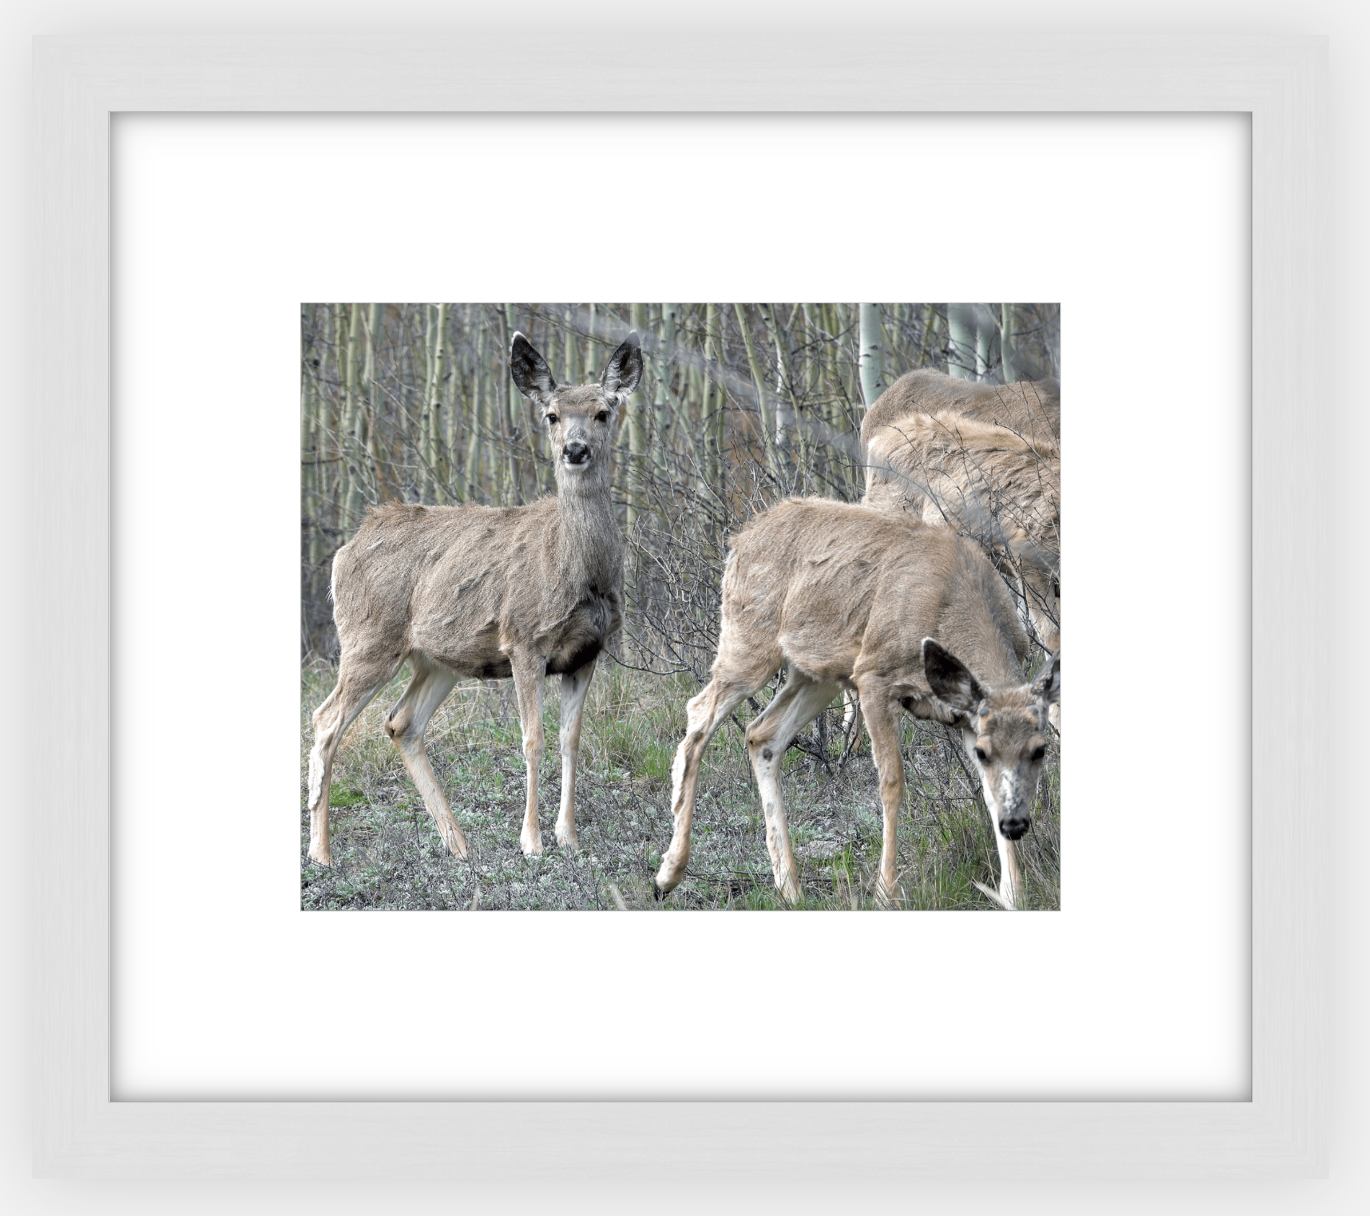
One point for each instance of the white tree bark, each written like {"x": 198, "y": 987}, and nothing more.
{"x": 986, "y": 330}
{"x": 872, "y": 354}
{"x": 1006, "y": 342}
{"x": 961, "y": 341}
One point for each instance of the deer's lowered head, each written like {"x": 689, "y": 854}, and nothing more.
{"x": 1004, "y": 730}
{"x": 579, "y": 418}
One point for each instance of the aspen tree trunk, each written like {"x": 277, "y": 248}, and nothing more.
{"x": 509, "y": 395}
{"x": 432, "y": 447}
{"x": 310, "y": 497}
{"x": 712, "y": 414}
{"x": 571, "y": 359}
{"x": 636, "y": 438}
{"x": 986, "y": 331}
{"x": 348, "y": 428}
{"x": 663, "y": 441}
{"x": 929, "y": 333}
{"x": 786, "y": 403}
{"x": 475, "y": 437}
{"x": 871, "y": 358}
{"x": 763, "y": 406}
{"x": 403, "y": 461}
{"x": 451, "y": 393}
{"x": 374, "y": 408}
{"x": 848, "y": 325}
{"x": 422, "y": 446}
{"x": 1006, "y": 342}
{"x": 960, "y": 341}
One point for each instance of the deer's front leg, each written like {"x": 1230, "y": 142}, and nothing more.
{"x": 529, "y": 675}
{"x": 882, "y": 723}
{"x": 574, "y": 687}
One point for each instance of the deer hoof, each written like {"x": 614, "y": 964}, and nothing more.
{"x": 567, "y": 839}
{"x": 531, "y": 848}
{"x": 657, "y": 893}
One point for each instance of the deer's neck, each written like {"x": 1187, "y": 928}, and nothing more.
{"x": 591, "y": 544}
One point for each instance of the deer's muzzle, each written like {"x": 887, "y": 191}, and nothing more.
{"x": 575, "y": 453}
{"x": 1015, "y": 826}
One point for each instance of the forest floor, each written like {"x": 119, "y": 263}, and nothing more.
{"x": 387, "y": 853}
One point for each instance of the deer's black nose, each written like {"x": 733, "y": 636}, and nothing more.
{"x": 576, "y": 453}
{"x": 1015, "y": 827}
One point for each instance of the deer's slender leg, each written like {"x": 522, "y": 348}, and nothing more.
{"x": 795, "y": 705}
{"x": 882, "y": 723}
{"x": 574, "y": 687}
{"x": 358, "y": 681}
{"x": 704, "y": 715}
{"x": 530, "y": 673}
{"x": 428, "y": 688}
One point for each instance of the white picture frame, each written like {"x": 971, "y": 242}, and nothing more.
{"x": 1281, "y": 1131}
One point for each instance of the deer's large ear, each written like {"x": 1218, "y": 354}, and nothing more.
{"x": 950, "y": 679}
{"x": 1046, "y": 685}
{"x": 530, "y": 371}
{"x": 624, "y": 368}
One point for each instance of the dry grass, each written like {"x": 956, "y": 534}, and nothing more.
{"x": 387, "y": 853}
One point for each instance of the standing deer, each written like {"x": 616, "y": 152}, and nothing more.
{"x": 486, "y": 592}
{"x": 847, "y": 596}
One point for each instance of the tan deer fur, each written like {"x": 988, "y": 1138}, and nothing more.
{"x": 983, "y": 480}
{"x": 848, "y": 596}
{"x": 488, "y": 593}
{"x": 1031, "y": 408}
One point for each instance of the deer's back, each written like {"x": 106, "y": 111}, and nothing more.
{"x": 844, "y": 589}
{"x": 1031, "y": 408}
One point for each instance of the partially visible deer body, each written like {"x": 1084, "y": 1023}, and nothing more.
{"x": 485, "y": 592}
{"x": 912, "y": 618}
{"x": 984, "y": 481}
{"x": 1030, "y": 408}
{"x": 983, "y": 459}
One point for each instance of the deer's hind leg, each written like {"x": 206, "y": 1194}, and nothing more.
{"x": 574, "y": 687}
{"x": 359, "y": 679}
{"x": 428, "y": 688}
{"x": 734, "y": 677}
{"x": 768, "y": 738}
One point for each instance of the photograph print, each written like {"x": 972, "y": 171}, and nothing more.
{"x": 665, "y": 607}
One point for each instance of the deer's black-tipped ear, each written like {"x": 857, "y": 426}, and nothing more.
{"x": 1046, "y": 685}
{"x": 624, "y": 368}
{"x": 950, "y": 679}
{"x": 530, "y": 371}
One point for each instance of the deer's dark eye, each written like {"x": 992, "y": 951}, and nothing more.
{"x": 1039, "y": 752}
{"x": 981, "y": 754}
{"x": 551, "y": 420}
{"x": 602, "y": 416}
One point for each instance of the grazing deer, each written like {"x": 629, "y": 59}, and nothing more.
{"x": 848, "y": 596}
{"x": 983, "y": 459}
{"x": 486, "y": 592}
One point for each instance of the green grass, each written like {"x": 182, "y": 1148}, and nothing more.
{"x": 387, "y": 852}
